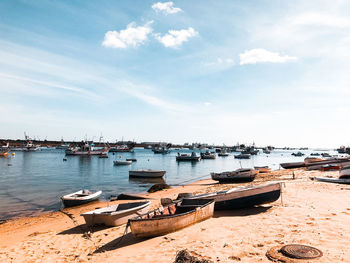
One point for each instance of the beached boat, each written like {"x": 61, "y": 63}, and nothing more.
{"x": 193, "y": 157}
{"x": 239, "y": 175}
{"x": 344, "y": 173}
{"x": 208, "y": 155}
{"x": 243, "y": 197}
{"x": 80, "y": 197}
{"x": 330, "y": 167}
{"x": 147, "y": 173}
{"x": 172, "y": 217}
{"x": 342, "y": 162}
{"x": 262, "y": 169}
{"x": 292, "y": 165}
{"x": 121, "y": 162}
{"x": 242, "y": 156}
{"x": 332, "y": 180}
{"x": 85, "y": 148}
{"x": 309, "y": 160}
{"x": 115, "y": 215}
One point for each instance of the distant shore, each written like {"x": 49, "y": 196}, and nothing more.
{"x": 308, "y": 212}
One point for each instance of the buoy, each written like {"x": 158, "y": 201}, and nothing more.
{"x": 13, "y": 154}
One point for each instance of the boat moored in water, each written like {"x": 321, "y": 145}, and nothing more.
{"x": 85, "y": 148}
{"x": 243, "y": 156}
{"x": 147, "y": 173}
{"x": 208, "y": 155}
{"x": 193, "y": 157}
{"x": 121, "y": 162}
{"x": 80, "y": 197}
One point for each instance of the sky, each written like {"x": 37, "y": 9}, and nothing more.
{"x": 271, "y": 72}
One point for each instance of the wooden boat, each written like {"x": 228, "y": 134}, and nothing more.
{"x": 172, "y": 217}
{"x": 292, "y": 165}
{"x": 239, "y": 175}
{"x": 187, "y": 157}
{"x": 332, "y": 180}
{"x": 115, "y": 215}
{"x": 121, "y": 162}
{"x": 131, "y": 159}
{"x": 243, "y": 197}
{"x": 342, "y": 162}
{"x": 243, "y": 156}
{"x": 80, "y": 197}
{"x": 344, "y": 173}
{"x": 262, "y": 169}
{"x": 309, "y": 160}
{"x": 147, "y": 173}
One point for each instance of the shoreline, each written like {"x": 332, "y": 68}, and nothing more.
{"x": 296, "y": 217}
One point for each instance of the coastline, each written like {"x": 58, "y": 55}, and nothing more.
{"x": 308, "y": 212}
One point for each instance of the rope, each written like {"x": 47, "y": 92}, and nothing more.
{"x": 195, "y": 178}
{"x": 125, "y": 232}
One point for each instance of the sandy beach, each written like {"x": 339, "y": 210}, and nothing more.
{"x": 310, "y": 213}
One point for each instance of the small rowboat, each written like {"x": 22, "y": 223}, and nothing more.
{"x": 262, "y": 169}
{"x": 80, "y": 197}
{"x": 117, "y": 162}
{"x": 239, "y": 175}
{"x": 243, "y": 197}
{"x": 172, "y": 217}
{"x": 115, "y": 215}
{"x": 344, "y": 173}
{"x": 147, "y": 173}
{"x": 131, "y": 159}
{"x": 332, "y": 180}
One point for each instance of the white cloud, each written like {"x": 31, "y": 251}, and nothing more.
{"x": 131, "y": 36}
{"x": 320, "y": 19}
{"x": 259, "y": 55}
{"x": 220, "y": 62}
{"x": 166, "y": 8}
{"x": 175, "y": 38}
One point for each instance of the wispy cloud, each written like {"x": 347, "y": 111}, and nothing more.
{"x": 320, "y": 19}
{"x": 260, "y": 55}
{"x": 220, "y": 63}
{"x": 175, "y": 38}
{"x": 132, "y": 36}
{"x": 166, "y": 8}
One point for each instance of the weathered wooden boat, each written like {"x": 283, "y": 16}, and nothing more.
{"x": 332, "y": 180}
{"x": 262, "y": 169}
{"x": 172, "y": 217}
{"x": 147, "y": 173}
{"x": 208, "y": 155}
{"x": 243, "y": 156}
{"x": 342, "y": 162}
{"x": 121, "y": 162}
{"x": 292, "y": 165}
{"x": 344, "y": 173}
{"x": 239, "y": 175}
{"x": 243, "y": 197}
{"x": 115, "y": 215}
{"x": 309, "y": 160}
{"x": 80, "y": 197}
{"x": 129, "y": 196}
{"x": 193, "y": 157}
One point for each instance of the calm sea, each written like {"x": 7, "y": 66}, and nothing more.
{"x": 32, "y": 182}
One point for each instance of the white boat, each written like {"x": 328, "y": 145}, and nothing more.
{"x": 116, "y": 215}
{"x": 80, "y": 197}
{"x": 121, "y": 162}
{"x": 188, "y": 157}
{"x": 147, "y": 173}
{"x": 85, "y": 149}
{"x": 239, "y": 175}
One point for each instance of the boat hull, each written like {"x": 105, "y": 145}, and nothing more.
{"x": 101, "y": 217}
{"x": 70, "y": 203}
{"x": 162, "y": 225}
{"x": 245, "y": 197}
{"x": 235, "y": 177}
{"x": 292, "y": 165}
{"x": 147, "y": 174}
{"x": 73, "y": 200}
{"x": 333, "y": 180}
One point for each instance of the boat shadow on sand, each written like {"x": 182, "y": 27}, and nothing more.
{"x": 241, "y": 212}
{"x": 82, "y": 229}
{"x": 122, "y": 241}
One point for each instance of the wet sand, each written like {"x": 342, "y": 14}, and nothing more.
{"x": 309, "y": 212}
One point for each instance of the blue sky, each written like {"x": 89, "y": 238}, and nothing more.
{"x": 272, "y": 72}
